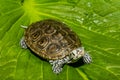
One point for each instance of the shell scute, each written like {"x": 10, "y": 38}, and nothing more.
{"x": 51, "y": 39}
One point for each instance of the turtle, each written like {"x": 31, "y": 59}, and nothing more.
{"x": 54, "y": 41}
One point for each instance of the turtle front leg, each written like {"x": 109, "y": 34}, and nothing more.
{"x": 57, "y": 65}
{"x": 22, "y": 43}
{"x": 87, "y": 58}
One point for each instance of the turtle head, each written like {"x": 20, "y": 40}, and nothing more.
{"x": 77, "y": 54}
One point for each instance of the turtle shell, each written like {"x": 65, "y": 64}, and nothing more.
{"x": 51, "y": 39}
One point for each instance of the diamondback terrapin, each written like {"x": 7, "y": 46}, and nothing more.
{"x": 55, "y": 42}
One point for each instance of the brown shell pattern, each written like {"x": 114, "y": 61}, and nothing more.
{"x": 51, "y": 39}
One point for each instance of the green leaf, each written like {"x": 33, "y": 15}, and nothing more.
{"x": 97, "y": 22}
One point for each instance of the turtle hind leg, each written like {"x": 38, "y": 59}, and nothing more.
{"x": 87, "y": 58}
{"x": 22, "y": 43}
{"x": 57, "y": 65}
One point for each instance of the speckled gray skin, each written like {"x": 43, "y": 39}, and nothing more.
{"x": 23, "y": 44}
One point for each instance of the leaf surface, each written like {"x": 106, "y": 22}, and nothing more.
{"x": 96, "y": 22}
